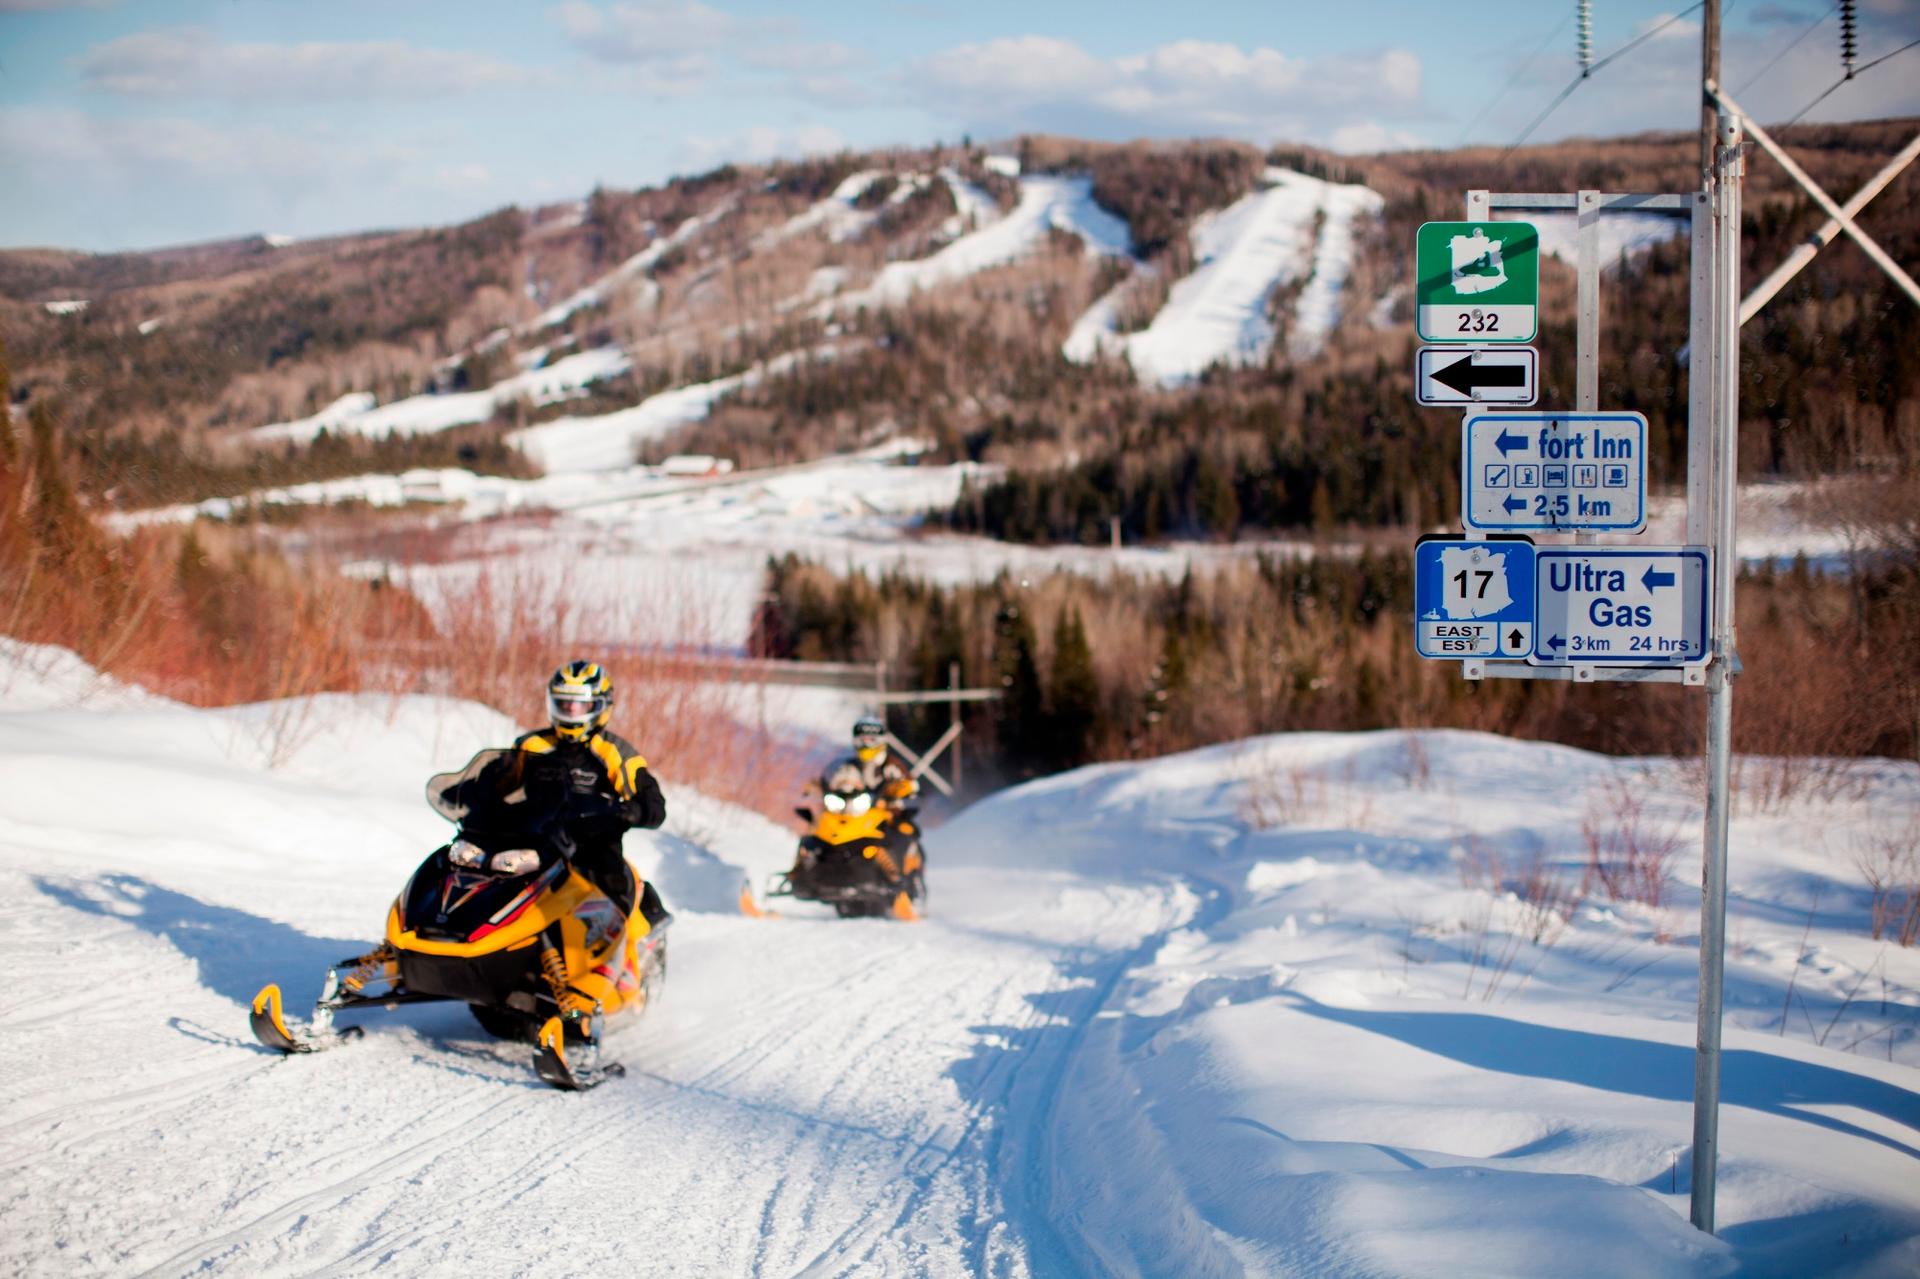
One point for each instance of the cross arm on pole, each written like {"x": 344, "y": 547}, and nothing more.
{"x": 1820, "y": 197}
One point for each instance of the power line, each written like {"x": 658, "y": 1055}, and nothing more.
{"x": 1622, "y": 51}
{"x": 1647, "y": 35}
{"x": 1852, "y": 75}
{"x": 1516, "y": 77}
{"x": 1817, "y": 23}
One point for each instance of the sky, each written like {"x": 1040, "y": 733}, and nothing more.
{"x": 140, "y": 123}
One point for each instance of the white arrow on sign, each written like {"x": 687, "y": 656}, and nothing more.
{"x": 1450, "y": 376}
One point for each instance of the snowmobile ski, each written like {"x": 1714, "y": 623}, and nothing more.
{"x": 584, "y": 1071}
{"x": 752, "y": 908}
{"x": 269, "y": 1023}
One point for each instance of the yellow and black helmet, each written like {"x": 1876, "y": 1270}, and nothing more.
{"x": 579, "y": 700}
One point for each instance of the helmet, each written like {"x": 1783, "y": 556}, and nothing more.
{"x": 579, "y": 700}
{"x": 869, "y": 739}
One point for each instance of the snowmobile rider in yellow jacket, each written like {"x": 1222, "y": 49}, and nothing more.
{"x": 610, "y": 788}
{"x": 889, "y": 780}
{"x": 885, "y": 776}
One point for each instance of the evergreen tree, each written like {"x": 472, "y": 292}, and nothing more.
{"x": 1020, "y": 718}
{"x": 1073, "y": 693}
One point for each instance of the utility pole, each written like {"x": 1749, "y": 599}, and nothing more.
{"x": 1709, "y": 74}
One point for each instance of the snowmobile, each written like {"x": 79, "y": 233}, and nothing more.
{"x": 491, "y": 918}
{"x": 851, "y": 860}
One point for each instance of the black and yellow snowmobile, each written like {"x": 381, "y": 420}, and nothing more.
{"x": 500, "y": 919}
{"x": 862, "y": 855}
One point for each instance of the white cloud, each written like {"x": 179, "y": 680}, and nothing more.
{"x": 189, "y": 62}
{"x": 647, "y": 30}
{"x": 759, "y": 144}
{"x": 1369, "y": 136}
{"x": 826, "y": 55}
{"x": 1034, "y": 82}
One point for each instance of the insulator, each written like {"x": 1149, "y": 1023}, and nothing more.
{"x": 1849, "y": 42}
{"x": 1583, "y": 37}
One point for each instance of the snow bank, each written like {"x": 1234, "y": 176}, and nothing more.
{"x": 1344, "y": 1063}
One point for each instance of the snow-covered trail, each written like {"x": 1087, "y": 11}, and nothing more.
{"x": 1220, "y": 1014}
{"x": 809, "y": 1098}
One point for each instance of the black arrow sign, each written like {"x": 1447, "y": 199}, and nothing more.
{"x": 1466, "y": 377}
{"x": 1514, "y": 637}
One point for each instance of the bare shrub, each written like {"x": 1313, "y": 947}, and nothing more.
{"x": 1628, "y": 848}
{"x": 1296, "y": 795}
{"x": 1889, "y": 860}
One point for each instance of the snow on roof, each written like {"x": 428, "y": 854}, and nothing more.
{"x": 67, "y": 306}
{"x": 1218, "y": 313}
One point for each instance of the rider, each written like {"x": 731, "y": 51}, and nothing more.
{"x": 609, "y": 784}
{"x": 888, "y": 779}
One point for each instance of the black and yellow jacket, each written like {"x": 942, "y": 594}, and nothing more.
{"x": 601, "y": 763}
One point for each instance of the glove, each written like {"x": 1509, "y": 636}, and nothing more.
{"x": 647, "y": 807}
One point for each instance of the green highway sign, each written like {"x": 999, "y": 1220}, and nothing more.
{"x": 1477, "y": 282}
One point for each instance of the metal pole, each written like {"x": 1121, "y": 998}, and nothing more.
{"x": 1713, "y": 868}
{"x": 1894, "y": 270}
{"x": 1586, "y": 358}
{"x": 953, "y": 709}
{"x": 1709, "y": 74}
{"x": 1764, "y": 291}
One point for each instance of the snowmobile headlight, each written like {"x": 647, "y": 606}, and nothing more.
{"x": 834, "y": 803}
{"x": 858, "y": 804}
{"x": 516, "y": 862}
{"x": 462, "y": 853}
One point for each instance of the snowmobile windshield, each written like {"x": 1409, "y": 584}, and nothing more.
{"x": 501, "y": 790}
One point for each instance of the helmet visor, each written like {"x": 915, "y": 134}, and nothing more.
{"x": 574, "y": 707}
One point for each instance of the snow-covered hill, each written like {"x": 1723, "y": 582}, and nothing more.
{"x": 1250, "y": 1010}
{"x": 1297, "y": 229}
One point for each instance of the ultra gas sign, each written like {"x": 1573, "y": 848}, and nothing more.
{"x": 1477, "y": 282}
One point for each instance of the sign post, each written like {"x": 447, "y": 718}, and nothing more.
{"x": 1456, "y": 376}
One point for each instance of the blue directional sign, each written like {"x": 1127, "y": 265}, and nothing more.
{"x": 1473, "y": 599}
{"x": 1640, "y": 607}
{"x": 1557, "y": 472}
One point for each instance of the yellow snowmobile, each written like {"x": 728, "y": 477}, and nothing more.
{"x": 498, "y": 918}
{"x": 862, "y": 856}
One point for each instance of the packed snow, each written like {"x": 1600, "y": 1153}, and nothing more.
{"x": 1294, "y": 229}
{"x": 1276, "y": 1007}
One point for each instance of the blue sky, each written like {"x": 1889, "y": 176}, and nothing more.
{"x": 133, "y": 123}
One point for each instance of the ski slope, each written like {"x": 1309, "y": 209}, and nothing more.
{"x": 1218, "y": 1014}
{"x": 1295, "y": 230}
